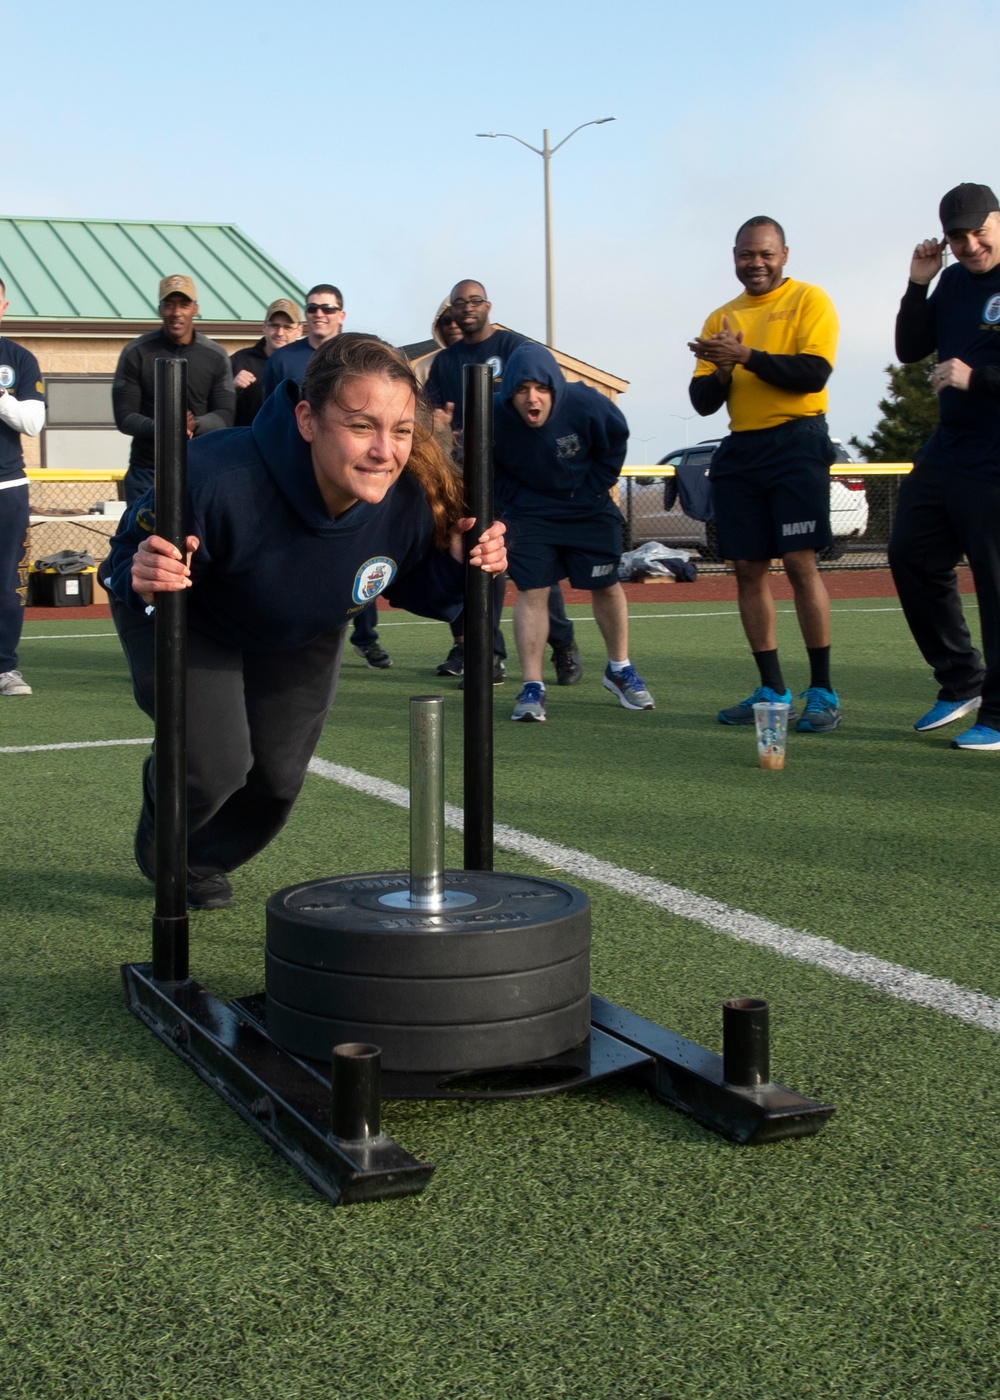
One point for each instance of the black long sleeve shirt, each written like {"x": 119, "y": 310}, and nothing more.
{"x": 211, "y": 396}
{"x": 799, "y": 374}
{"x": 959, "y": 320}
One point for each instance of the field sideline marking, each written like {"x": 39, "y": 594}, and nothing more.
{"x": 432, "y": 622}
{"x": 903, "y": 983}
{"x": 83, "y": 744}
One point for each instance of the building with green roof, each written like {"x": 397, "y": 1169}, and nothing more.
{"x": 80, "y": 289}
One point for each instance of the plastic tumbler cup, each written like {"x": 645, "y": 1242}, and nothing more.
{"x": 771, "y": 722}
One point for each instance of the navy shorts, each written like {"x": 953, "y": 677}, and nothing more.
{"x": 587, "y": 551}
{"x": 771, "y": 490}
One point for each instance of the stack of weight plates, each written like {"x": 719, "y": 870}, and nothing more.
{"x": 504, "y": 979}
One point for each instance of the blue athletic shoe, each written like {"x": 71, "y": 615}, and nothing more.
{"x": 530, "y": 703}
{"x": 630, "y": 688}
{"x": 980, "y": 736}
{"x": 763, "y": 695}
{"x": 944, "y": 711}
{"x": 822, "y": 712}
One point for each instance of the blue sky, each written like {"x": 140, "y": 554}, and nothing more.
{"x": 342, "y": 138}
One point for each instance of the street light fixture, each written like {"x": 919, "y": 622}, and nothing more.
{"x": 546, "y": 153}
{"x": 685, "y": 420}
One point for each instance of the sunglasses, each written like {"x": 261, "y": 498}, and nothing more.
{"x": 313, "y": 306}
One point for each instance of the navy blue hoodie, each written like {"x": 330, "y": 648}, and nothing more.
{"x": 566, "y": 467}
{"x": 274, "y": 570}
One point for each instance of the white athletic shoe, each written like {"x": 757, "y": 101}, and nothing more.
{"x": 13, "y": 683}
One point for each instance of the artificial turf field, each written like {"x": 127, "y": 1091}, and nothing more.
{"x": 592, "y": 1244}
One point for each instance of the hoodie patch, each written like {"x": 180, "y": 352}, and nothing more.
{"x": 567, "y": 446}
{"x": 373, "y": 578}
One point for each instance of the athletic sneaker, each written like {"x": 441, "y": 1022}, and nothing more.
{"x": 13, "y": 683}
{"x": 630, "y": 688}
{"x": 454, "y": 662}
{"x": 209, "y": 891}
{"x": 822, "y": 712}
{"x": 566, "y": 660}
{"x": 980, "y": 736}
{"x": 763, "y": 695}
{"x": 530, "y": 702}
{"x": 944, "y": 711}
{"x": 374, "y": 655}
{"x": 499, "y": 672}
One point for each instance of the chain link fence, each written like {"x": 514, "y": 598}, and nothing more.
{"x": 73, "y": 510}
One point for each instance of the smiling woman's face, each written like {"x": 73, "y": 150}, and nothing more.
{"x": 360, "y": 444}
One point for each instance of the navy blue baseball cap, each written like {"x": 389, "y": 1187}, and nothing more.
{"x": 967, "y": 206}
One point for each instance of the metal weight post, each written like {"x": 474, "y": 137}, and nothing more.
{"x": 170, "y": 916}
{"x": 477, "y": 448}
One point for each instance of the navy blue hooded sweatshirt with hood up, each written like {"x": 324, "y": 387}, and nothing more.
{"x": 566, "y": 467}
{"x": 274, "y": 570}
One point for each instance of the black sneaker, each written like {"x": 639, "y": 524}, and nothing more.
{"x": 454, "y": 662}
{"x": 499, "y": 672}
{"x": 566, "y": 660}
{"x": 209, "y": 891}
{"x": 374, "y": 655}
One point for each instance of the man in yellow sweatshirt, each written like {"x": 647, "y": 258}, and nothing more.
{"x": 767, "y": 355}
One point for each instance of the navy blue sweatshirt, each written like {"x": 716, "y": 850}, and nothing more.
{"x": 566, "y": 467}
{"x": 960, "y": 320}
{"x": 274, "y": 571}
{"x": 289, "y": 362}
{"x": 446, "y": 383}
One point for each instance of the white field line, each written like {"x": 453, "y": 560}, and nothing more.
{"x": 903, "y": 983}
{"x": 85, "y": 744}
{"x": 413, "y": 621}
{"x": 894, "y": 980}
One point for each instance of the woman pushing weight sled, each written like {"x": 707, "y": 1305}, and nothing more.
{"x": 293, "y": 525}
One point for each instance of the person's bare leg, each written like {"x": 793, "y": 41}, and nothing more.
{"x": 756, "y": 604}
{"x": 611, "y": 615}
{"x": 531, "y": 630}
{"x": 812, "y": 602}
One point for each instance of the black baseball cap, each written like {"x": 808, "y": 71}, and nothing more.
{"x": 967, "y": 206}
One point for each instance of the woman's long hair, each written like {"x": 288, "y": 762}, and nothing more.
{"x": 353, "y": 356}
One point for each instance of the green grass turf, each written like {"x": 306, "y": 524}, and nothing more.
{"x": 587, "y": 1245}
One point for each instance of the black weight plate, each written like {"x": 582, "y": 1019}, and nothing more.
{"x": 422, "y": 1001}
{"x": 517, "y": 923}
{"x": 488, "y": 1045}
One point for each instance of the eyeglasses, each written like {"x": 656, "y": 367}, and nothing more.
{"x": 460, "y": 303}
{"x": 313, "y": 306}
{"x": 280, "y": 326}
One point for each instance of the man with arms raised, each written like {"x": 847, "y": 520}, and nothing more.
{"x": 211, "y": 396}
{"x": 767, "y": 355}
{"x": 950, "y": 503}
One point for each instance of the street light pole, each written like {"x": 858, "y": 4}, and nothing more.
{"x": 550, "y": 309}
{"x": 685, "y": 420}
{"x": 546, "y": 153}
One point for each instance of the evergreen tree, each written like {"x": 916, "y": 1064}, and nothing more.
{"x": 909, "y": 415}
